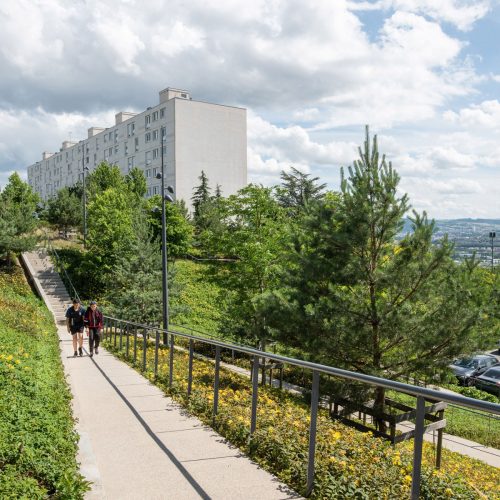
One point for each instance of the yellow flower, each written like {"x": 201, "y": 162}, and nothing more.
{"x": 407, "y": 479}
{"x": 448, "y": 492}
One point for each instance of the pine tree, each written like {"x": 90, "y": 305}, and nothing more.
{"x": 298, "y": 190}
{"x": 18, "y": 206}
{"x": 136, "y": 277}
{"x": 201, "y": 195}
{"x": 357, "y": 297}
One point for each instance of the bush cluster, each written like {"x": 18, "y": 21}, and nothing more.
{"x": 38, "y": 443}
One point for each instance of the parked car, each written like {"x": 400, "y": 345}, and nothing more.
{"x": 465, "y": 369}
{"x": 489, "y": 380}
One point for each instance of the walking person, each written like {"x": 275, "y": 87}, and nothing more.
{"x": 75, "y": 325}
{"x": 93, "y": 323}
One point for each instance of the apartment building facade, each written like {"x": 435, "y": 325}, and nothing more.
{"x": 197, "y": 136}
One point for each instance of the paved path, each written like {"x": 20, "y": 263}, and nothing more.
{"x": 135, "y": 443}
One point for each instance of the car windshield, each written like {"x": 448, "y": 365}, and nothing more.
{"x": 466, "y": 363}
{"x": 493, "y": 373}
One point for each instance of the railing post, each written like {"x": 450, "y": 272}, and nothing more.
{"x": 135, "y": 344}
{"x": 127, "y": 341}
{"x": 121, "y": 337}
{"x": 190, "y": 367}
{"x": 171, "y": 361}
{"x": 255, "y": 389}
{"x": 144, "y": 348}
{"x": 114, "y": 339}
{"x": 312, "y": 432}
{"x": 157, "y": 346}
{"x": 417, "y": 448}
{"x": 216, "y": 383}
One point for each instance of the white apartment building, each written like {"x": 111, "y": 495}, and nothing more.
{"x": 198, "y": 136}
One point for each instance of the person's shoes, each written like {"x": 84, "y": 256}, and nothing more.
{"x": 96, "y": 350}
{"x": 75, "y": 355}
{"x": 80, "y": 350}
{"x": 91, "y": 354}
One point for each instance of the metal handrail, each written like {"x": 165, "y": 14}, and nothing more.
{"x": 338, "y": 372}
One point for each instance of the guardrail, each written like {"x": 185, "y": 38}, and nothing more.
{"x": 118, "y": 328}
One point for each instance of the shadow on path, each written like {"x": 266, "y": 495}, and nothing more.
{"x": 203, "y": 494}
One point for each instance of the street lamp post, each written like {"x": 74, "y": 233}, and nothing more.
{"x": 84, "y": 198}
{"x": 164, "y": 198}
{"x": 492, "y": 237}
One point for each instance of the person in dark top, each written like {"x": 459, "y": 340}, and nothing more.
{"x": 75, "y": 325}
{"x": 93, "y": 323}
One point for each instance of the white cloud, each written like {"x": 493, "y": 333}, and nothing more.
{"x": 311, "y": 75}
{"x": 461, "y": 13}
{"x": 485, "y": 114}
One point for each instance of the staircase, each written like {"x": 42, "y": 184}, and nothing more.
{"x": 48, "y": 282}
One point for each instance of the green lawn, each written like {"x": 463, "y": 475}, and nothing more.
{"x": 38, "y": 443}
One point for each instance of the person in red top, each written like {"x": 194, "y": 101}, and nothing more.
{"x": 93, "y": 323}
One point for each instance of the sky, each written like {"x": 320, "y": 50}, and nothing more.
{"x": 423, "y": 74}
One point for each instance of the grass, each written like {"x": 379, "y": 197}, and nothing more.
{"x": 38, "y": 443}
{"x": 349, "y": 464}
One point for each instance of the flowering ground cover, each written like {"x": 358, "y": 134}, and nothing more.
{"x": 38, "y": 443}
{"x": 349, "y": 464}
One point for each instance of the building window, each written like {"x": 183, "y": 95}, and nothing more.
{"x": 156, "y": 190}
{"x": 130, "y": 129}
{"x": 116, "y": 135}
{"x": 87, "y": 160}
{"x": 130, "y": 162}
{"x": 148, "y": 137}
{"x": 155, "y": 116}
{"x": 148, "y": 157}
{"x": 155, "y": 171}
{"x": 105, "y": 137}
{"x": 147, "y": 123}
{"x": 110, "y": 151}
{"x": 116, "y": 149}
{"x": 155, "y": 153}
{"x": 147, "y": 173}
{"x": 136, "y": 144}
{"x": 106, "y": 154}
{"x": 184, "y": 95}
{"x": 155, "y": 135}
{"x": 97, "y": 144}
{"x": 148, "y": 192}
{"x": 126, "y": 148}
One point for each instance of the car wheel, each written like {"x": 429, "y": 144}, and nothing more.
{"x": 469, "y": 382}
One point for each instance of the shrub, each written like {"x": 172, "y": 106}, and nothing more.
{"x": 38, "y": 443}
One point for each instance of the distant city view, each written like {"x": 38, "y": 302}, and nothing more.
{"x": 469, "y": 236}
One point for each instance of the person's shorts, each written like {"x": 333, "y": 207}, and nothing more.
{"x": 76, "y": 330}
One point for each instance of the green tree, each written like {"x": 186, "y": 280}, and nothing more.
{"x": 356, "y": 297}
{"x": 253, "y": 238}
{"x": 65, "y": 210}
{"x": 18, "y": 205}
{"x": 105, "y": 176}
{"x": 136, "y": 182}
{"x": 179, "y": 230}
{"x": 201, "y": 195}
{"x": 298, "y": 190}
{"x": 136, "y": 293}
{"x": 109, "y": 229}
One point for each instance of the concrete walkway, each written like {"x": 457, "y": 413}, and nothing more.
{"x": 135, "y": 443}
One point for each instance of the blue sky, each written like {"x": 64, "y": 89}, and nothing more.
{"x": 424, "y": 74}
